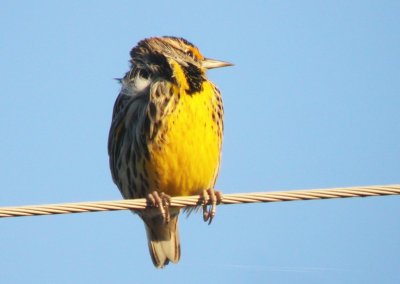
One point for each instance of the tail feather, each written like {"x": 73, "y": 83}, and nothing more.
{"x": 163, "y": 240}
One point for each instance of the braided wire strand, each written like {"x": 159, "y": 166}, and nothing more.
{"x": 183, "y": 201}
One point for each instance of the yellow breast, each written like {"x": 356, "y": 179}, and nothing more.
{"x": 186, "y": 160}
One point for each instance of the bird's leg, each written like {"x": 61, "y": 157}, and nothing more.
{"x": 161, "y": 201}
{"x": 215, "y": 199}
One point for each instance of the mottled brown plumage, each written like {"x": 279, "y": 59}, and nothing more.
{"x": 166, "y": 135}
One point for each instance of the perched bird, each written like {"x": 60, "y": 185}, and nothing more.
{"x": 165, "y": 137}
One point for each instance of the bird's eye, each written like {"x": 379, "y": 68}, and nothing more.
{"x": 190, "y": 53}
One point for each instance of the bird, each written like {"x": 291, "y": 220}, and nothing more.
{"x": 166, "y": 136}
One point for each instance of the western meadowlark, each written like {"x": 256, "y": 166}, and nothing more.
{"x": 166, "y": 134}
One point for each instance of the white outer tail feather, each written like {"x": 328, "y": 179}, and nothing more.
{"x": 163, "y": 240}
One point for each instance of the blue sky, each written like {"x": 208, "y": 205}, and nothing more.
{"x": 312, "y": 102}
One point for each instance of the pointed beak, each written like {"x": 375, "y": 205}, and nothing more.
{"x": 209, "y": 63}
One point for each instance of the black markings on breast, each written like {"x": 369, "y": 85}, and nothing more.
{"x": 213, "y": 116}
{"x": 194, "y": 77}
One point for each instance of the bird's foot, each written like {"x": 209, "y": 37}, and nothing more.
{"x": 161, "y": 201}
{"x": 213, "y": 198}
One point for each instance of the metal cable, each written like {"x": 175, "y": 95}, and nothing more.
{"x": 183, "y": 201}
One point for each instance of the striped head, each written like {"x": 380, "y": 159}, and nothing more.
{"x": 152, "y": 57}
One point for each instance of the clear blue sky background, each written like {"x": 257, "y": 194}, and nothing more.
{"x": 312, "y": 102}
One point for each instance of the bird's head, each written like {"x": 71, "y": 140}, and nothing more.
{"x": 153, "y": 54}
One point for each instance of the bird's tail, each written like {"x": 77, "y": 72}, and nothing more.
{"x": 163, "y": 239}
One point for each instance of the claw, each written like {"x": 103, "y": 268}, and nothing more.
{"x": 162, "y": 202}
{"x": 214, "y": 198}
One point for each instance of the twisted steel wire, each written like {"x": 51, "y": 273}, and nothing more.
{"x": 183, "y": 201}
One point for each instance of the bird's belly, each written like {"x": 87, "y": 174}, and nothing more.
{"x": 186, "y": 160}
